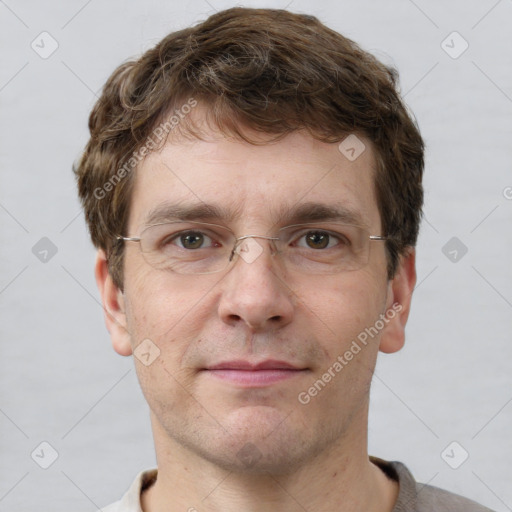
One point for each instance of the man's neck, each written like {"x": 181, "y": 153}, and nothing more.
{"x": 332, "y": 482}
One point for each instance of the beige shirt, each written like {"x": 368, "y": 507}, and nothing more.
{"x": 412, "y": 496}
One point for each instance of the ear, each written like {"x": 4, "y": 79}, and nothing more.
{"x": 113, "y": 306}
{"x": 398, "y": 303}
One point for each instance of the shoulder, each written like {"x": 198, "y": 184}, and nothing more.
{"x": 114, "y": 507}
{"x": 419, "y": 497}
{"x": 130, "y": 502}
{"x": 432, "y": 498}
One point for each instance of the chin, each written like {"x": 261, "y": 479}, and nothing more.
{"x": 260, "y": 440}
{"x": 258, "y": 458}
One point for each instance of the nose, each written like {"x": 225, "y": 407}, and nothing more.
{"x": 255, "y": 291}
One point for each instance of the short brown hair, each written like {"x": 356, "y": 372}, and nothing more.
{"x": 273, "y": 71}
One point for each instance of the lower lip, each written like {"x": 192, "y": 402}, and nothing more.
{"x": 254, "y": 377}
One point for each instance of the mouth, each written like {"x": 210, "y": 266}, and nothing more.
{"x": 248, "y": 374}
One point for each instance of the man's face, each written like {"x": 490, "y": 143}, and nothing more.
{"x": 255, "y": 312}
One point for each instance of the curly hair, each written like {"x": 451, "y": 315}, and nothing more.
{"x": 268, "y": 69}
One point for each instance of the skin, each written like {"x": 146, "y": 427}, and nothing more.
{"x": 307, "y": 457}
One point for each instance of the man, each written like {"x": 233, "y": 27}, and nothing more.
{"x": 253, "y": 186}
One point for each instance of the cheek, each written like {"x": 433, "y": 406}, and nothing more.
{"x": 167, "y": 389}
{"x": 160, "y": 306}
{"x": 343, "y": 307}
{"x": 162, "y": 315}
{"x": 172, "y": 315}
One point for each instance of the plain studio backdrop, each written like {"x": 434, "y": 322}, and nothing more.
{"x": 443, "y": 405}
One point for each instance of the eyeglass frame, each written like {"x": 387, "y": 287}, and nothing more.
{"x": 237, "y": 239}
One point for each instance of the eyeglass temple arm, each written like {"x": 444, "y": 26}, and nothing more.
{"x": 128, "y": 238}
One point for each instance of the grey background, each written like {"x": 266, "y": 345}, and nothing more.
{"x": 60, "y": 380}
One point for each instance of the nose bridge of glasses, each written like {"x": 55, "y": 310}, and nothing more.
{"x": 241, "y": 239}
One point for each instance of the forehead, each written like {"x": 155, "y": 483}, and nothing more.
{"x": 249, "y": 185}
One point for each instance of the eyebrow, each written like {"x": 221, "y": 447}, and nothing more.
{"x": 299, "y": 214}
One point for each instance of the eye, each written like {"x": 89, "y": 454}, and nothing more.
{"x": 190, "y": 240}
{"x": 321, "y": 239}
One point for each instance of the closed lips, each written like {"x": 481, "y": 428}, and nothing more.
{"x": 248, "y": 366}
